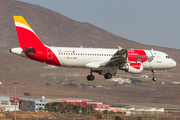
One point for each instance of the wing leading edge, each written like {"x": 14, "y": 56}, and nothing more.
{"x": 118, "y": 59}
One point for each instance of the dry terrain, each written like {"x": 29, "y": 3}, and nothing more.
{"x": 57, "y": 116}
{"x": 67, "y": 83}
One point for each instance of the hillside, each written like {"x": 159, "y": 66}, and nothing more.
{"x": 53, "y": 28}
{"x": 58, "y": 30}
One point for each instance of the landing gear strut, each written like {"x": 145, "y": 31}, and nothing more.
{"x": 90, "y": 77}
{"x": 154, "y": 78}
{"x": 108, "y": 76}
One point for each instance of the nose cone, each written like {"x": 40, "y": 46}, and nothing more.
{"x": 173, "y": 63}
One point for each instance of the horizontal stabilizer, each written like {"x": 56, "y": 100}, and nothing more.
{"x": 29, "y": 50}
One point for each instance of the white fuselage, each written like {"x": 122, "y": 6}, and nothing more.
{"x": 80, "y": 57}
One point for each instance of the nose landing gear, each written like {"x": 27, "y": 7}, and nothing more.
{"x": 154, "y": 78}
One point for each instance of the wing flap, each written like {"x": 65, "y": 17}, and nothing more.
{"x": 118, "y": 58}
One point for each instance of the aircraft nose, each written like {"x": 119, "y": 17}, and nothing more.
{"x": 173, "y": 63}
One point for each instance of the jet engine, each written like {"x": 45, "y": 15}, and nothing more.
{"x": 133, "y": 68}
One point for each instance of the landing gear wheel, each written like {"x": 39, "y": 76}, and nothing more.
{"x": 154, "y": 78}
{"x": 90, "y": 77}
{"x": 108, "y": 76}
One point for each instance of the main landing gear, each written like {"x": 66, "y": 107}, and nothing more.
{"x": 108, "y": 76}
{"x": 90, "y": 77}
{"x": 154, "y": 78}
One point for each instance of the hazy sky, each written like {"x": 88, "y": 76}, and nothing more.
{"x": 154, "y": 22}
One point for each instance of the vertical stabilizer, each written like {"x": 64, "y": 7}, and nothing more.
{"x": 27, "y": 37}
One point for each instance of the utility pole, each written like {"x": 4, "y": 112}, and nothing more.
{"x": 108, "y": 114}
{"x": 81, "y": 106}
{"x": 15, "y": 82}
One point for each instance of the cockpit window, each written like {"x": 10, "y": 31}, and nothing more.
{"x": 167, "y": 57}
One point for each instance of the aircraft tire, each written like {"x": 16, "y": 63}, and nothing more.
{"x": 108, "y": 76}
{"x": 154, "y": 78}
{"x": 90, "y": 77}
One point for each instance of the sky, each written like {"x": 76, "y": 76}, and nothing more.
{"x": 153, "y": 22}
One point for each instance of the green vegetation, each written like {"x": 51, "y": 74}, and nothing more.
{"x": 68, "y": 108}
{"x": 40, "y": 108}
{"x": 26, "y": 94}
{"x": 117, "y": 118}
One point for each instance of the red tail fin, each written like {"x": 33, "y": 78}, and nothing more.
{"x": 27, "y": 37}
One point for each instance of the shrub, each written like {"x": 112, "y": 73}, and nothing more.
{"x": 117, "y": 118}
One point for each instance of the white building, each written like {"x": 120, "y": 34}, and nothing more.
{"x": 9, "y": 103}
{"x": 39, "y": 104}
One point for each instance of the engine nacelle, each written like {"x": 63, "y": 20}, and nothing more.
{"x": 103, "y": 72}
{"x": 133, "y": 68}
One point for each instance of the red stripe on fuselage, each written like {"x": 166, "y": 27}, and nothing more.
{"x": 135, "y": 55}
{"x": 41, "y": 55}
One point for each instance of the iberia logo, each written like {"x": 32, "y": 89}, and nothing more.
{"x": 73, "y": 51}
{"x": 136, "y": 65}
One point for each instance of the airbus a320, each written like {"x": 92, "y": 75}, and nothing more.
{"x": 106, "y": 62}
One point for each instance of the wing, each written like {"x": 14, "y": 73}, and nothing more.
{"x": 118, "y": 59}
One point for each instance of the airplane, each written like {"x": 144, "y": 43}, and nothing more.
{"x": 105, "y": 62}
